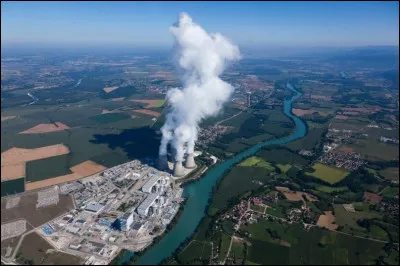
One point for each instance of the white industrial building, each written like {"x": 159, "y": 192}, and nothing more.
{"x": 128, "y": 220}
{"x": 143, "y": 208}
{"x": 149, "y": 184}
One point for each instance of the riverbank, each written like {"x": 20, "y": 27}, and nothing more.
{"x": 198, "y": 193}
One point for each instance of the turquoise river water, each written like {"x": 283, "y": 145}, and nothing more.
{"x": 199, "y": 192}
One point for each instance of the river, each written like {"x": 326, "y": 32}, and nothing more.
{"x": 198, "y": 194}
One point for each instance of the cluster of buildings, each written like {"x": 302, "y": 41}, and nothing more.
{"x": 124, "y": 207}
{"x": 209, "y": 134}
{"x": 389, "y": 140}
{"x": 347, "y": 160}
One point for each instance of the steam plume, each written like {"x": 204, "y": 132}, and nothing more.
{"x": 203, "y": 57}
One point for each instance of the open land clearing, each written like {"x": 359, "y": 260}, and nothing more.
{"x": 151, "y": 103}
{"x": 327, "y": 221}
{"x": 302, "y": 112}
{"x": 45, "y": 128}
{"x": 41, "y": 252}
{"x": 78, "y": 171}
{"x": 148, "y": 112}
{"x": 295, "y": 195}
{"x": 13, "y": 160}
{"x": 26, "y": 209}
{"x": 327, "y": 173}
{"x": 257, "y": 162}
{"x": 110, "y": 89}
{"x": 391, "y": 173}
{"x": 119, "y": 99}
{"x": 4, "y": 118}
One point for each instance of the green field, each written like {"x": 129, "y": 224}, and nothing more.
{"x": 256, "y": 208}
{"x": 327, "y": 173}
{"x": 257, "y": 162}
{"x": 390, "y": 173}
{"x": 160, "y": 103}
{"x": 390, "y": 191}
{"x": 327, "y": 189}
{"x": 284, "y": 167}
{"x": 196, "y": 249}
{"x": 349, "y": 219}
{"x": 224, "y": 246}
{"x": 110, "y": 117}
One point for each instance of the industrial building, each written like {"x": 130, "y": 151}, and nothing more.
{"x": 94, "y": 207}
{"x": 149, "y": 184}
{"x": 127, "y": 220}
{"x": 143, "y": 208}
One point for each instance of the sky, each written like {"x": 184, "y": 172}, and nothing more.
{"x": 249, "y": 24}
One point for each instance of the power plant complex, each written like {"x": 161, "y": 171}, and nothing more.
{"x": 178, "y": 170}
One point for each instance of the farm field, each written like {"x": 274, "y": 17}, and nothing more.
{"x": 327, "y": 173}
{"x": 390, "y": 173}
{"x": 256, "y": 162}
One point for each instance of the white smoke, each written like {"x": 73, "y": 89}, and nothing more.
{"x": 203, "y": 57}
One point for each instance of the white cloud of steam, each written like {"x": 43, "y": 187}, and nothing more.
{"x": 203, "y": 58}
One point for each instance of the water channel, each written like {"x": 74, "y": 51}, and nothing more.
{"x": 198, "y": 194}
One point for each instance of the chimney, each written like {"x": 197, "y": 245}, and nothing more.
{"x": 162, "y": 162}
{"x": 190, "y": 161}
{"x": 178, "y": 169}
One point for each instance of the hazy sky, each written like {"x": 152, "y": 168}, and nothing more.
{"x": 246, "y": 23}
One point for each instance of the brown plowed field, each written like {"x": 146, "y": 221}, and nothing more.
{"x": 150, "y": 103}
{"x": 78, "y": 171}
{"x": 326, "y": 221}
{"x": 110, "y": 89}
{"x": 13, "y": 160}
{"x": 45, "y": 128}
{"x": 12, "y": 171}
{"x": 147, "y": 112}
{"x": 118, "y": 99}
{"x": 301, "y": 112}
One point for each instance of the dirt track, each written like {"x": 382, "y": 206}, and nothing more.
{"x": 45, "y": 128}
{"x": 147, "y": 112}
{"x": 4, "y": 118}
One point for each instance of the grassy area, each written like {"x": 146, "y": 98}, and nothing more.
{"x": 196, "y": 249}
{"x": 328, "y": 189}
{"x": 391, "y": 173}
{"x": 257, "y": 162}
{"x": 284, "y": 167}
{"x": 390, "y": 191}
{"x": 234, "y": 185}
{"x": 277, "y": 255}
{"x": 327, "y": 173}
{"x": 368, "y": 149}
{"x": 224, "y": 246}
{"x": 257, "y": 208}
{"x": 349, "y": 219}
{"x": 111, "y": 117}
{"x": 36, "y": 254}
{"x": 159, "y": 103}
{"x": 237, "y": 251}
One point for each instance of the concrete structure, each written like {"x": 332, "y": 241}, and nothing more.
{"x": 190, "y": 161}
{"x": 147, "y": 187}
{"x": 94, "y": 207}
{"x": 178, "y": 169}
{"x": 143, "y": 208}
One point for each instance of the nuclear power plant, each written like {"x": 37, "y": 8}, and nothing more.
{"x": 179, "y": 168}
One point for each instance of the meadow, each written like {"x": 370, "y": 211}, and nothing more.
{"x": 327, "y": 173}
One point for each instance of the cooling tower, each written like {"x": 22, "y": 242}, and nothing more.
{"x": 178, "y": 169}
{"x": 162, "y": 162}
{"x": 190, "y": 161}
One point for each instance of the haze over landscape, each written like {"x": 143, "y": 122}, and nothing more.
{"x": 199, "y": 133}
